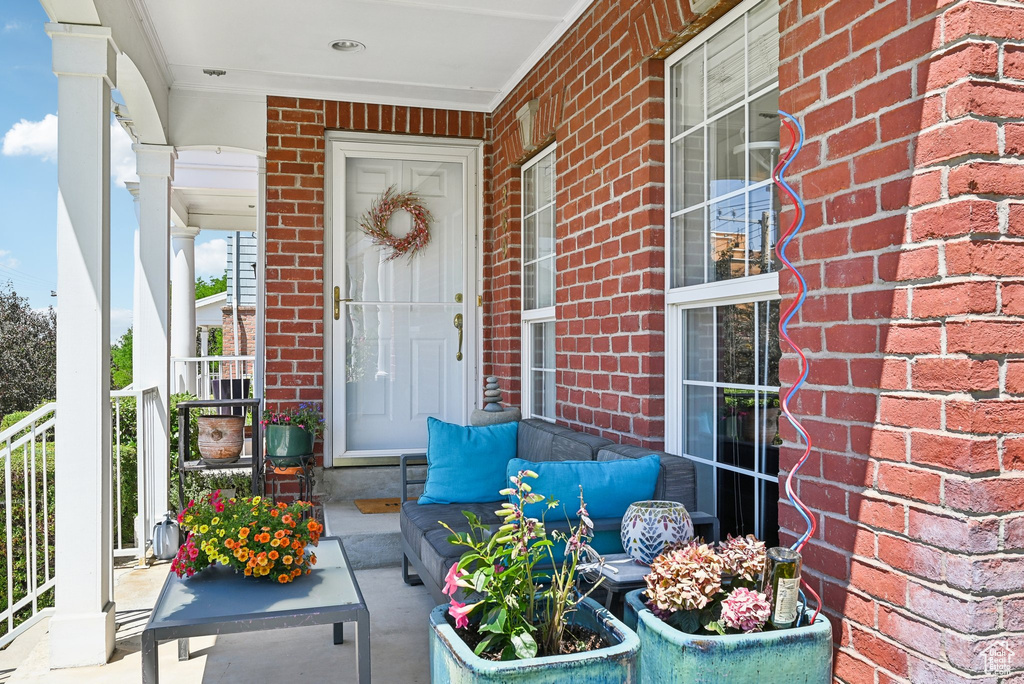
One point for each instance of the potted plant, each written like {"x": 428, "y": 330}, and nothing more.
{"x": 253, "y": 535}
{"x": 703, "y": 619}
{"x": 523, "y": 620}
{"x": 290, "y": 433}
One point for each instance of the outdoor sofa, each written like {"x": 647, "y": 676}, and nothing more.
{"x": 425, "y": 543}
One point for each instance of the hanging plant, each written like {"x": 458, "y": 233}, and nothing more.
{"x": 375, "y": 223}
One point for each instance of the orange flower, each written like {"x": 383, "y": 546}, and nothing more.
{"x": 274, "y": 513}
{"x": 279, "y": 534}
{"x": 286, "y": 518}
{"x": 282, "y": 505}
{"x": 266, "y": 529}
{"x": 264, "y": 538}
{"x": 287, "y": 560}
{"x": 229, "y": 543}
{"x": 312, "y": 525}
{"x": 296, "y": 572}
{"x": 284, "y": 579}
{"x": 244, "y": 532}
{"x": 273, "y": 555}
{"x": 247, "y": 572}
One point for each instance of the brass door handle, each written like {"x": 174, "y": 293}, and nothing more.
{"x": 458, "y": 326}
{"x": 337, "y": 302}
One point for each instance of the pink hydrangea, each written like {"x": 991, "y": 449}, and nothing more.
{"x": 745, "y": 610}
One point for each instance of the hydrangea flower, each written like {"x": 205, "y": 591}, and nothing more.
{"x": 745, "y": 610}
{"x": 684, "y": 579}
{"x": 742, "y": 557}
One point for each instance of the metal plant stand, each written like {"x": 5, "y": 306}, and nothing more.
{"x": 220, "y": 601}
{"x": 190, "y": 466}
{"x": 303, "y": 473}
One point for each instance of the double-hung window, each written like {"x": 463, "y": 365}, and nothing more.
{"x": 722, "y": 299}
{"x": 538, "y": 282}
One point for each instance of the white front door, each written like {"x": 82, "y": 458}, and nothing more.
{"x": 399, "y": 356}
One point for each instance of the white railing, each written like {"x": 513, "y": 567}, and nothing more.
{"x": 143, "y": 496}
{"x": 202, "y": 375}
{"x": 30, "y": 441}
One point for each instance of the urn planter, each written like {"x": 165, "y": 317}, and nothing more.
{"x": 286, "y": 444}
{"x": 800, "y": 655}
{"x": 451, "y": 660}
{"x": 221, "y": 438}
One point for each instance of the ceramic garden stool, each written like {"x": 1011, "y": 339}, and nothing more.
{"x": 802, "y": 655}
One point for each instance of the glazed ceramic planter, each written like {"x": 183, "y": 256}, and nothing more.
{"x": 802, "y": 655}
{"x": 649, "y": 526}
{"x": 451, "y": 660}
{"x": 286, "y": 444}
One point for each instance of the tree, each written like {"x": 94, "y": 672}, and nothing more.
{"x": 28, "y": 353}
{"x": 215, "y": 285}
{"x": 121, "y": 361}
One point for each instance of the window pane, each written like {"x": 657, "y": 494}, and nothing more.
{"x": 769, "y": 513}
{"x": 705, "y": 488}
{"x": 768, "y": 340}
{"x": 545, "y": 283}
{"x": 688, "y": 170}
{"x": 549, "y": 395}
{"x": 736, "y": 344}
{"x": 763, "y": 44}
{"x": 764, "y": 218}
{"x": 546, "y": 232}
{"x": 530, "y": 238}
{"x": 530, "y": 286}
{"x": 726, "y": 254}
{"x": 764, "y": 136}
{"x": 768, "y": 415}
{"x": 700, "y": 345}
{"x": 688, "y": 92}
{"x": 530, "y": 190}
{"x": 725, "y": 68}
{"x": 543, "y": 344}
{"x": 545, "y": 177}
{"x": 726, "y": 154}
{"x": 688, "y": 249}
{"x": 699, "y": 404}
{"x": 735, "y": 503}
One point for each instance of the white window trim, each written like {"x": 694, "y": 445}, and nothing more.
{"x": 530, "y": 316}
{"x": 751, "y": 288}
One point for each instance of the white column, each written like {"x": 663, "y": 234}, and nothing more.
{"x": 151, "y": 346}
{"x": 82, "y": 628}
{"x": 204, "y": 367}
{"x": 183, "y": 305}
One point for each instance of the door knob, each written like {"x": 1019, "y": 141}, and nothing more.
{"x": 458, "y": 326}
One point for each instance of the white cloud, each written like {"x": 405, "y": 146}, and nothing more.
{"x": 120, "y": 321}
{"x": 35, "y": 138}
{"x": 7, "y": 260}
{"x": 39, "y": 139}
{"x": 211, "y": 258}
{"x": 12, "y": 25}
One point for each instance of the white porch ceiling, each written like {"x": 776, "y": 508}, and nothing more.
{"x": 465, "y": 54}
{"x": 214, "y": 191}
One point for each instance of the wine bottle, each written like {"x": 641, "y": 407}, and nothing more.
{"x": 781, "y": 584}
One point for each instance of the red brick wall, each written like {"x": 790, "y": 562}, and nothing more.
{"x": 913, "y": 252}
{"x": 246, "y": 340}
{"x": 295, "y": 226}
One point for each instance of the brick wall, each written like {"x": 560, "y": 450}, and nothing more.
{"x": 913, "y": 252}
{"x": 246, "y": 338}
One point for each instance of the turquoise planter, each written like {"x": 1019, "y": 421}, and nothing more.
{"x": 451, "y": 660}
{"x": 286, "y": 444}
{"x": 802, "y": 655}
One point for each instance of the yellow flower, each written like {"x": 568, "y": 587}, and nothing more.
{"x": 256, "y": 499}
{"x": 203, "y": 529}
{"x": 215, "y": 521}
{"x": 220, "y": 532}
{"x": 275, "y": 542}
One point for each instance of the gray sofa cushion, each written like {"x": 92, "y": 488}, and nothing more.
{"x": 540, "y": 440}
{"x": 676, "y": 481}
{"x": 417, "y": 520}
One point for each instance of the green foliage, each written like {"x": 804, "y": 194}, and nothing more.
{"x": 121, "y": 361}
{"x": 206, "y": 288}
{"x": 28, "y": 352}
{"x": 201, "y": 483}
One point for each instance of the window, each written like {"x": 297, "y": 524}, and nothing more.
{"x": 722, "y": 303}
{"x": 539, "y": 286}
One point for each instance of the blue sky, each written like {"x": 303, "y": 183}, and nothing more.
{"x": 28, "y": 175}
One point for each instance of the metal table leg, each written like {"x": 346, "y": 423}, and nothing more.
{"x": 150, "y": 659}
{"x": 339, "y": 633}
{"x": 363, "y": 647}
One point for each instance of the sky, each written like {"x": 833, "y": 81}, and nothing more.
{"x": 28, "y": 176}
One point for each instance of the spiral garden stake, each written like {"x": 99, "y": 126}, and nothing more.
{"x": 796, "y": 141}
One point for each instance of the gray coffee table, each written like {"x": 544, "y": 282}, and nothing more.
{"x": 220, "y": 601}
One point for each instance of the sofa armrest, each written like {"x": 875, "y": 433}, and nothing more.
{"x": 411, "y": 460}
{"x": 707, "y": 521}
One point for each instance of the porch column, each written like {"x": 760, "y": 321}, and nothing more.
{"x": 82, "y": 628}
{"x": 183, "y": 305}
{"x": 151, "y": 349}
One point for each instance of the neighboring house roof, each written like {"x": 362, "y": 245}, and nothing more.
{"x": 209, "y": 310}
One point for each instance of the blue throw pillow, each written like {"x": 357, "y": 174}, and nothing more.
{"x": 467, "y": 464}
{"x": 608, "y": 486}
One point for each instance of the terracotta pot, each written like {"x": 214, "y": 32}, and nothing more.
{"x": 221, "y": 438}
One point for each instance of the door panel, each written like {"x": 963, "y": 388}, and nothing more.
{"x": 396, "y": 340}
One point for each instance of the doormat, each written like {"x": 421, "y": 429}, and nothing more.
{"x": 370, "y": 506}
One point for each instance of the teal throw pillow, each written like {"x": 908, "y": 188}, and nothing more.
{"x": 608, "y": 486}
{"x": 467, "y": 464}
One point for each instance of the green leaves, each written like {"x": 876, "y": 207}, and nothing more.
{"x": 524, "y": 645}
{"x": 494, "y": 621}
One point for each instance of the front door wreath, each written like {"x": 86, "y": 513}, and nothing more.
{"x": 375, "y": 223}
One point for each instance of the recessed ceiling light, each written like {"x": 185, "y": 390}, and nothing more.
{"x": 345, "y": 45}
{"x": 214, "y": 72}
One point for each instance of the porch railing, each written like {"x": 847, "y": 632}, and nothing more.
{"x": 215, "y": 377}
{"x": 27, "y": 462}
{"x": 26, "y": 449}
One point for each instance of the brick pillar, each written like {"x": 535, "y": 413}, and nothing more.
{"x": 913, "y": 250}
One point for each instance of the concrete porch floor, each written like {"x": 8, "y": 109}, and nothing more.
{"x": 398, "y": 641}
